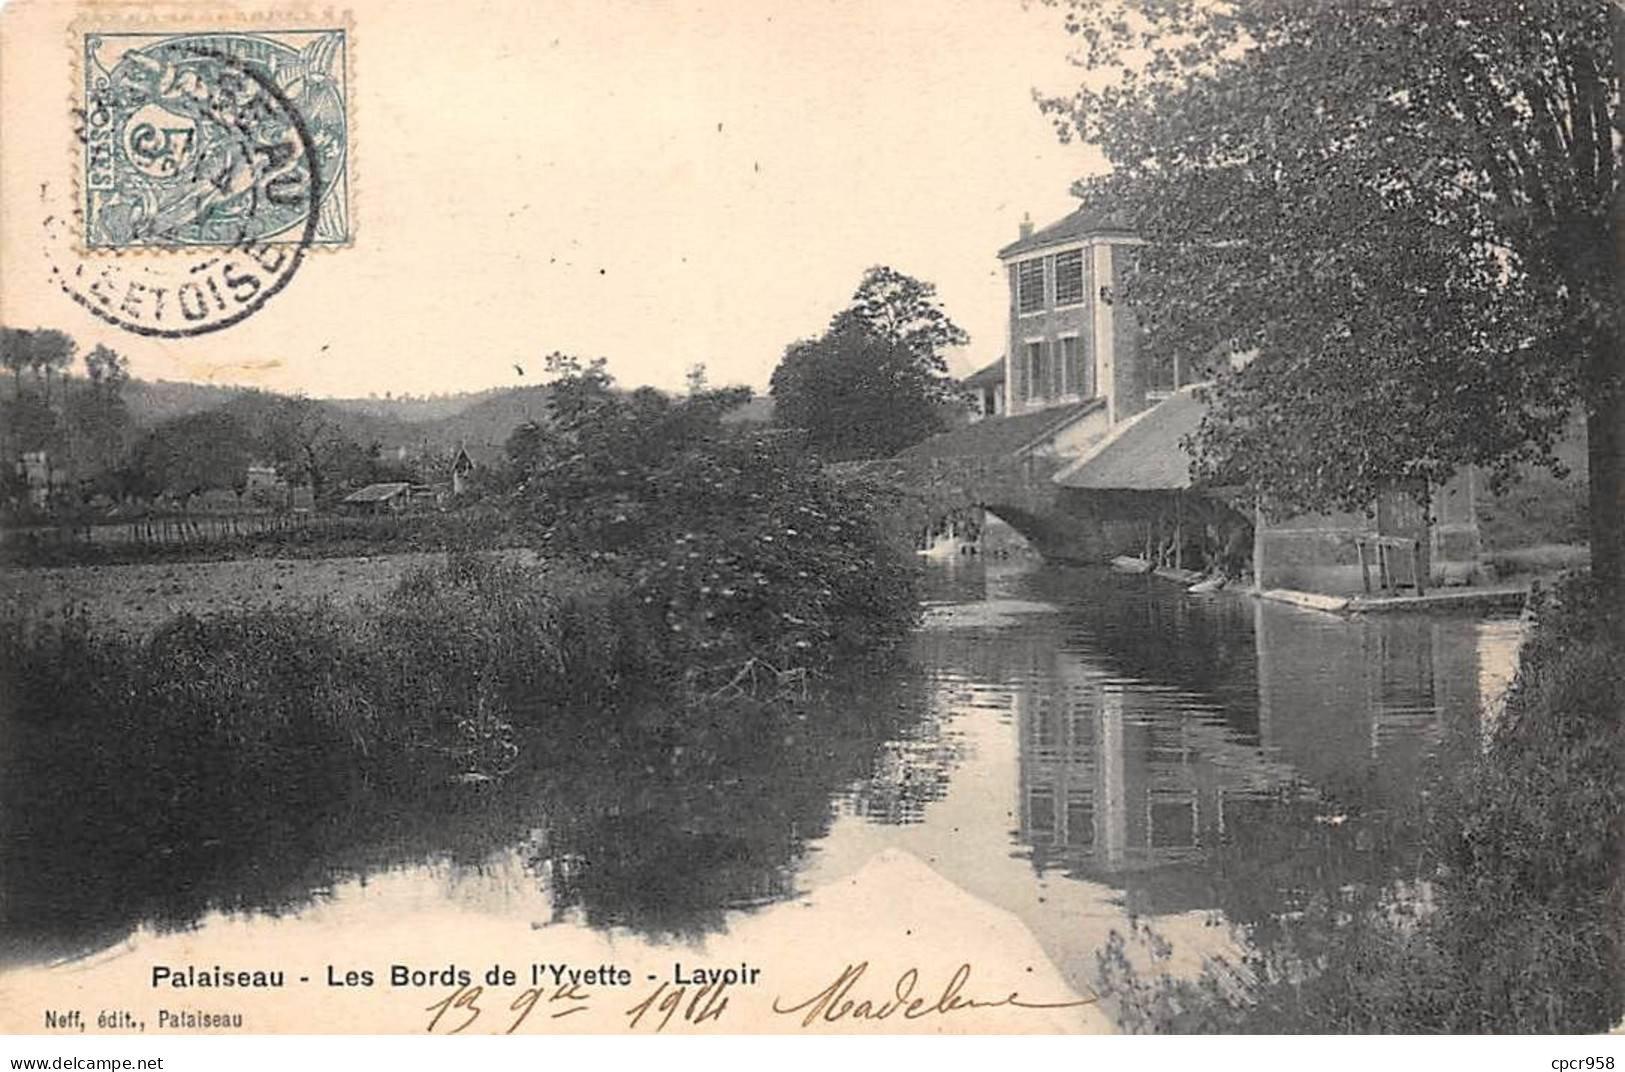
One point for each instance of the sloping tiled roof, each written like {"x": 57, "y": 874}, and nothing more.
{"x": 997, "y": 437}
{"x": 990, "y": 373}
{"x": 1144, "y": 452}
{"x": 1083, "y": 221}
{"x": 376, "y": 493}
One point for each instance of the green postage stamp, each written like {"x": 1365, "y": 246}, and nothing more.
{"x": 206, "y": 139}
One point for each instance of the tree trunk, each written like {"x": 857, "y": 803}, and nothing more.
{"x": 1605, "y": 455}
{"x": 1605, "y": 434}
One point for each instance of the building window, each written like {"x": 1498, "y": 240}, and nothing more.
{"x": 1041, "y": 813}
{"x": 1070, "y": 368}
{"x": 1030, "y": 285}
{"x": 1069, "y": 277}
{"x": 1080, "y": 818}
{"x": 1038, "y": 372}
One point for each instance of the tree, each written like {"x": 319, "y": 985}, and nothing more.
{"x": 193, "y": 453}
{"x": 876, "y": 381}
{"x": 97, "y": 417}
{"x": 14, "y": 351}
{"x": 305, "y": 442}
{"x": 1408, "y": 211}
{"x": 49, "y": 351}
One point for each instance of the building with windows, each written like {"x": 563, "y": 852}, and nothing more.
{"x": 1079, "y": 443}
{"x": 1068, "y": 340}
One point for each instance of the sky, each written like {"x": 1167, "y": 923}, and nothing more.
{"x": 659, "y": 184}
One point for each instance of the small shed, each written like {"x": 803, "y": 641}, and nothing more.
{"x": 380, "y": 498}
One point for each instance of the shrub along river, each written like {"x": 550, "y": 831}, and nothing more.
{"x": 1071, "y": 749}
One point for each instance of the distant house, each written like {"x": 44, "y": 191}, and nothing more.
{"x": 265, "y": 487}
{"x": 462, "y": 467}
{"x": 214, "y": 501}
{"x": 986, "y": 387}
{"x": 42, "y": 480}
{"x": 388, "y": 498}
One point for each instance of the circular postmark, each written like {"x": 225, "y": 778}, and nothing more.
{"x": 203, "y": 178}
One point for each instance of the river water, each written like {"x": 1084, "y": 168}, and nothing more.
{"x": 1064, "y": 753}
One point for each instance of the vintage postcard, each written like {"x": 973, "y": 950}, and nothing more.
{"x": 552, "y": 518}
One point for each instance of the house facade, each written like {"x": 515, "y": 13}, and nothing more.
{"x": 1075, "y": 390}
{"x": 1068, "y": 340}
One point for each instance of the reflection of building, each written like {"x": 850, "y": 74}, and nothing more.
{"x": 1124, "y": 776}
{"x": 1139, "y": 778}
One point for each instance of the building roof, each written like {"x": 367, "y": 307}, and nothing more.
{"x": 992, "y": 373}
{"x": 1143, "y": 453}
{"x": 377, "y": 492}
{"x": 996, "y": 437}
{"x": 1082, "y": 222}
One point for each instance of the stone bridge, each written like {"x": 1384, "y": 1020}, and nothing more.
{"x": 1074, "y": 488}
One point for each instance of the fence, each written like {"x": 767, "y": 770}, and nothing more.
{"x": 181, "y": 529}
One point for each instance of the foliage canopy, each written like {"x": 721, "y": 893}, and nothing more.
{"x": 876, "y": 381}
{"x": 1406, "y": 211}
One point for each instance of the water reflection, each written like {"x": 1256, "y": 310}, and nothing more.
{"x": 658, "y": 821}
{"x": 1068, "y": 746}
{"x": 1217, "y": 753}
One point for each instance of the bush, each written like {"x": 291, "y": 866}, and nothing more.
{"x": 737, "y": 547}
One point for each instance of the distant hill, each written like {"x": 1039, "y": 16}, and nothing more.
{"x": 481, "y": 421}
{"x": 485, "y": 426}
{"x": 417, "y": 408}
{"x": 151, "y": 401}
{"x": 435, "y": 423}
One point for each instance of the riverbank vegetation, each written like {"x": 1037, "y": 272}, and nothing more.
{"x": 1510, "y": 920}
{"x": 689, "y": 584}
{"x": 479, "y": 705}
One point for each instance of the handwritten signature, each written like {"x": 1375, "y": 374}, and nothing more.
{"x": 840, "y": 1001}
{"x": 836, "y": 1001}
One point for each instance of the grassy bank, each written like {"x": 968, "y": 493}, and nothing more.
{"x": 246, "y": 751}
{"x": 1510, "y": 921}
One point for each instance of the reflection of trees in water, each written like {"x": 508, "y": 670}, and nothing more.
{"x": 669, "y": 823}
{"x": 657, "y": 823}
{"x": 909, "y": 772}
{"x": 914, "y": 767}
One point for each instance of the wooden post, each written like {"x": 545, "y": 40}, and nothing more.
{"x": 1258, "y": 546}
{"x": 1365, "y": 567}
{"x": 1417, "y": 566}
{"x": 1179, "y": 530}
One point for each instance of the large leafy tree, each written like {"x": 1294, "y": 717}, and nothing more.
{"x": 877, "y": 380}
{"x": 1408, "y": 211}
